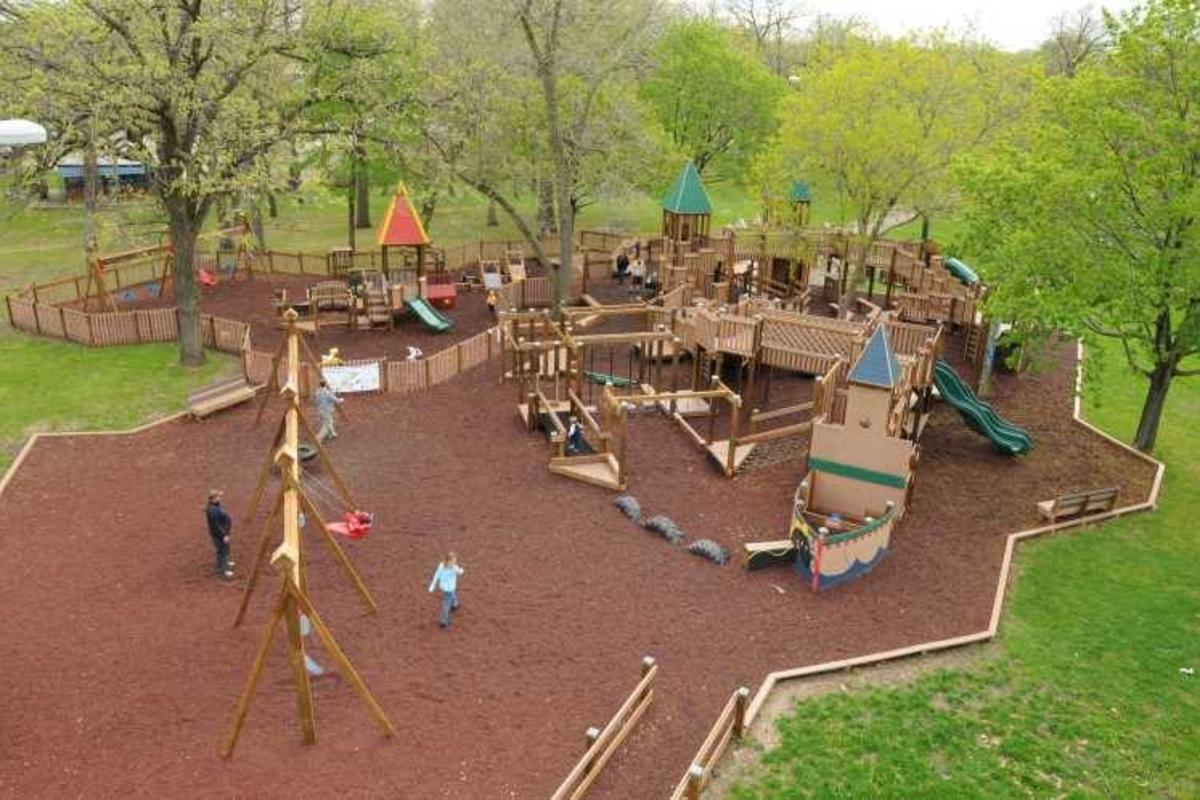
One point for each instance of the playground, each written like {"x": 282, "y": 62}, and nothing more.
{"x": 821, "y": 441}
{"x": 561, "y": 597}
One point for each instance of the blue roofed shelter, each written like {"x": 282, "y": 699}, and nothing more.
{"x": 115, "y": 174}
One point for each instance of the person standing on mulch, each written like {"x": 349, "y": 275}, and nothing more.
{"x": 445, "y": 578}
{"x": 326, "y": 400}
{"x": 622, "y": 266}
{"x": 219, "y": 526}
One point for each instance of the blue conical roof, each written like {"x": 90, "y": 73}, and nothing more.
{"x": 877, "y": 366}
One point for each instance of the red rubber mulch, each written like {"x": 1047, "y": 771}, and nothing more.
{"x": 122, "y": 669}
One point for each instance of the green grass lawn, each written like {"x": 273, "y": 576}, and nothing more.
{"x": 46, "y": 385}
{"x": 1086, "y": 698}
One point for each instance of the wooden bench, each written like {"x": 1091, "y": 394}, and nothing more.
{"x": 757, "y": 555}
{"x": 1078, "y": 504}
{"x": 219, "y": 396}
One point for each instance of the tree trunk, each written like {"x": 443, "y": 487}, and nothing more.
{"x": 545, "y": 213}
{"x": 428, "y": 207}
{"x": 91, "y": 186}
{"x": 272, "y": 206}
{"x": 1156, "y": 398}
{"x": 362, "y": 183}
{"x": 351, "y": 196}
{"x": 492, "y": 220}
{"x": 256, "y": 225}
{"x": 183, "y": 271}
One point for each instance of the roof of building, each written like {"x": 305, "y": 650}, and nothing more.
{"x": 687, "y": 195}
{"x": 877, "y": 366}
{"x": 402, "y": 225}
{"x": 800, "y": 192}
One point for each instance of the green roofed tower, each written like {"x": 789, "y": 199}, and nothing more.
{"x": 800, "y": 196}
{"x": 686, "y": 208}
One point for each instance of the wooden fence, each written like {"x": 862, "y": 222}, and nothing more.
{"x": 113, "y": 328}
{"x": 730, "y": 725}
{"x": 603, "y": 743}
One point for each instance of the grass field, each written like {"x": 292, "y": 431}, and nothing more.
{"x": 1087, "y": 697}
{"x": 47, "y": 385}
{"x": 38, "y": 244}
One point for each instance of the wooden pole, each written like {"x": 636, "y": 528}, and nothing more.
{"x": 260, "y": 556}
{"x": 243, "y": 704}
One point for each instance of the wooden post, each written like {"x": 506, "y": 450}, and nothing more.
{"x": 712, "y": 415}
{"x": 739, "y": 711}
{"x": 695, "y": 782}
{"x": 731, "y": 456}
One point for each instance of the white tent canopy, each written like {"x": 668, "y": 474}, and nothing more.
{"x": 14, "y": 132}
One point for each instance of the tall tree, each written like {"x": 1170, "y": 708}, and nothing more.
{"x": 769, "y": 24}
{"x": 881, "y": 121}
{"x": 715, "y": 100}
{"x": 518, "y": 93}
{"x": 202, "y": 89}
{"x": 1089, "y": 226}
{"x": 1075, "y": 37}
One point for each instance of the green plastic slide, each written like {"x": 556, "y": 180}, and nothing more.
{"x": 961, "y": 271}
{"x": 430, "y": 316}
{"x": 981, "y": 417}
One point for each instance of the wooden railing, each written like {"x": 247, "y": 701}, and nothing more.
{"x": 730, "y": 725}
{"x": 603, "y": 743}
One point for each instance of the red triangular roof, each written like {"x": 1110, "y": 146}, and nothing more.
{"x": 401, "y": 225}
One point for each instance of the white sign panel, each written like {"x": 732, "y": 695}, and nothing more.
{"x": 354, "y": 378}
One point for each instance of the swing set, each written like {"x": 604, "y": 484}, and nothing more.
{"x": 292, "y": 602}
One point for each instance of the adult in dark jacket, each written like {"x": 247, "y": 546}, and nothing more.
{"x": 219, "y": 526}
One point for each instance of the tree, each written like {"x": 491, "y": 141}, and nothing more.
{"x": 517, "y": 96}
{"x": 360, "y": 66}
{"x": 769, "y": 23}
{"x": 713, "y": 98}
{"x": 1089, "y": 227}
{"x": 1075, "y": 37}
{"x": 881, "y": 121}
{"x": 203, "y": 91}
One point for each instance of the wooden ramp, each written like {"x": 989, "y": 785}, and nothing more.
{"x": 600, "y": 469}
{"x": 719, "y": 451}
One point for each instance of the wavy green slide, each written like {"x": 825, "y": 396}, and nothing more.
{"x": 430, "y": 316}
{"x": 981, "y": 417}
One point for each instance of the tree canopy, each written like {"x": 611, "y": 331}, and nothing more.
{"x": 716, "y": 100}
{"x": 1088, "y": 224}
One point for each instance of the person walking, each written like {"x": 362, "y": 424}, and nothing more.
{"x": 219, "y": 526}
{"x": 445, "y": 578}
{"x": 326, "y": 400}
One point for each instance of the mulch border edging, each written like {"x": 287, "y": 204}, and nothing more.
{"x": 1003, "y": 583}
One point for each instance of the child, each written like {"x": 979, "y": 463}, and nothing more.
{"x": 219, "y": 526}
{"x": 574, "y": 437}
{"x": 445, "y": 577}
{"x": 638, "y": 271}
{"x": 325, "y": 400}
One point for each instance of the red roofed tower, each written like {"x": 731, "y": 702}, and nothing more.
{"x": 402, "y": 228}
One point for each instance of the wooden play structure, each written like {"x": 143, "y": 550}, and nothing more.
{"x": 860, "y": 466}
{"x": 292, "y": 605}
{"x": 402, "y": 229}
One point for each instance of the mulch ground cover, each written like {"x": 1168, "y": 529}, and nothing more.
{"x": 251, "y": 301}
{"x": 122, "y": 668}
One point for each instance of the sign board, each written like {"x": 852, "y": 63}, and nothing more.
{"x": 350, "y": 378}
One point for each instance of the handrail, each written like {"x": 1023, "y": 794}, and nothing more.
{"x": 605, "y": 742}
